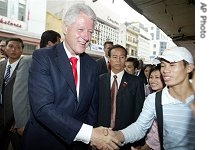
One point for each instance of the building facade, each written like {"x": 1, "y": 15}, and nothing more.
{"x": 160, "y": 41}
{"x": 19, "y": 18}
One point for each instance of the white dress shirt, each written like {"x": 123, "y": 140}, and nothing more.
{"x": 85, "y": 132}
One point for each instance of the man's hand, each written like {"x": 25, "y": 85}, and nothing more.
{"x": 119, "y": 135}
{"x": 20, "y": 131}
{"x": 103, "y": 138}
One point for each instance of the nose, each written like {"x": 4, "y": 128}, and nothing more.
{"x": 166, "y": 69}
{"x": 86, "y": 35}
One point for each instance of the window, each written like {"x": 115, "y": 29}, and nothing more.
{"x": 157, "y": 34}
{"x": 152, "y": 34}
{"x": 28, "y": 49}
{"x": 22, "y": 12}
{"x": 3, "y": 7}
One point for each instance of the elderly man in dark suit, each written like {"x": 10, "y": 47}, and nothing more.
{"x": 20, "y": 98}
{"x": 8, "y": 67}
{"x": 130, "y": 95}
{"x": 63, "y": 94}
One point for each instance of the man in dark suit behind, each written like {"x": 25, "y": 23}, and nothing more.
{"x": 14, "y": 49}
{"x": 130, "y": 95}
{"x": 103, "y": 61}
{"x": 63, "y": 111}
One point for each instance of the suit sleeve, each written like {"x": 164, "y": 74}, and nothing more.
{"x": 20, "y": 98}
{"x": 93, "y": 110}
{"x": 52, "y": 102}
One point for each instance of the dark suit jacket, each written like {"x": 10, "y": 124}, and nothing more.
{"x": 130, "y": 100}
{"x": 6, "y": 108}
{"x": 102, "y": 65}
{"x": 57, "y": 115}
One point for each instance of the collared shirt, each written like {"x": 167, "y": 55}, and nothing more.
{"x": 13, "y": 66}
{"x": 119, "y": 78}
{"x": 78, "y": 67}
{"x": 178, "y": 122}
{"x": 85, "y": 132}
{"x": 106, "y": 59}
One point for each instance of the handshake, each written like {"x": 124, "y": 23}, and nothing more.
{"x": 104, "y": 138}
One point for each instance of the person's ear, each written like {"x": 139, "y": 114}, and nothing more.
{"x": 190, "y": 68}
{"x": 49, "y": 43}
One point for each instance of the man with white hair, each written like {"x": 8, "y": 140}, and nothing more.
{"x": 178, "y": 119}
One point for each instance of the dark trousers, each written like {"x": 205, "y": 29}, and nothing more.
{"x": 78, "y": 146}
{"x": 6, "y": 137}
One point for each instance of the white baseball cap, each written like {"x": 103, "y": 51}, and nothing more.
{"x": 176, "y": 54}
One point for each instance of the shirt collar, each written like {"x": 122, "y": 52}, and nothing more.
{"x": 168, "y": 99}
{"x": 14, "y": 64}
{"x": 68, "y": 53}
{"x": 119, "y": 75}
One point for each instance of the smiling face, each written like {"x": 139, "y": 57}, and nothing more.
{"x": 155, "y": 80}
{"x": 175, "y": 73}
{"x": 78, "y": 34}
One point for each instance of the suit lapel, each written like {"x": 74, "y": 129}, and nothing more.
{"x": 124, "y": 82}
{"x": 2, "y": 69}
{"x": 104, "y": 64}
{"x": 85, "y": 76}
{"x": 14, "y": 72}
{"x": 63, "y": 63}
{"x": 107, "y": 83}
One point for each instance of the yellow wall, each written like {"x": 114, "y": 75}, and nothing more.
{"x": 53, "y": 23}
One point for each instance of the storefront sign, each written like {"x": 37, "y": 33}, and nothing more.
{"x": 10, "y": 23}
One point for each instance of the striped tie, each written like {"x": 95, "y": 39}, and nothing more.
{"x": 7, "y": 76}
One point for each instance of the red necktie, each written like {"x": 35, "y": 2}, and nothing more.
{"x": 114, "y": 90}
{"x": 73, "y": 61}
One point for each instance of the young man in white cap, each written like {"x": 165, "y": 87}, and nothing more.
{"x": 178, "y": 119}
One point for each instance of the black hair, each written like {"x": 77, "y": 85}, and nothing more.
{"x": 117, "y": 46}
{"x": 49, "y": 35}
{"x": 157, "y": 68}
{"x": 108, "y": 42}
{"x": 17, "y": 40}
{"x": 134, "y": 60}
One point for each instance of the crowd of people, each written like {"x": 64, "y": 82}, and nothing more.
{"x": 59, "y": 98}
